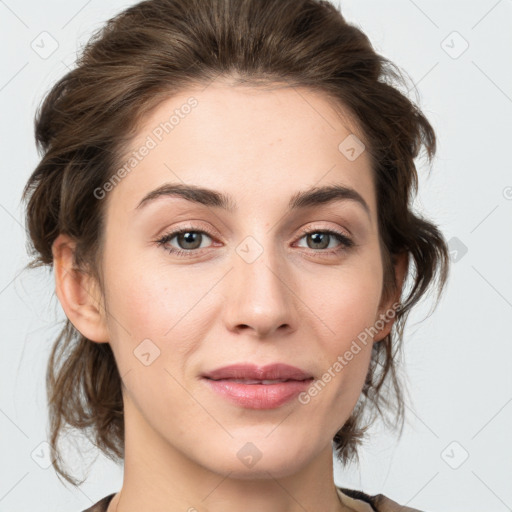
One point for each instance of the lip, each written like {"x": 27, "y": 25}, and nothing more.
{"x": 250, "y": 371}
{"x": 254, "y": 395}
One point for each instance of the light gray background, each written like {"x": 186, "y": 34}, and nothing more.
{"x": 456, "y": 451}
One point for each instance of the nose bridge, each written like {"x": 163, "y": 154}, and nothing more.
{"x": 260, "y": 296}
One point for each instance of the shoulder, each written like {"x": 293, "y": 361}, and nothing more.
{"x": 378, "y": 502}
{"x": 102, "y": 505}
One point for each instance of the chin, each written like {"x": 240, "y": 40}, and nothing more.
{"x": 261, "y": 458}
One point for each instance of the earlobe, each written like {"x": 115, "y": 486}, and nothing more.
{"x": 78, "y": 292}
{"x": 387, "y": 312}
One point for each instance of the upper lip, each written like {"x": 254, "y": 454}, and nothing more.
{"x": 277, "y": 371}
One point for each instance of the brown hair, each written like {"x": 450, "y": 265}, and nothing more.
{"x": 157, "y": 48}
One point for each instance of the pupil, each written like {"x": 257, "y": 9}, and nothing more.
{"x": 318, "y": 238}
{"x": 188, "y": 238}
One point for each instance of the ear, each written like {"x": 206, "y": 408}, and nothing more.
{"x": 78, "y": 292}
{"x": 387, "y": 313}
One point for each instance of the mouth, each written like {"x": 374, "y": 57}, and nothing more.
{"x": 249, "y": 372}
{"x": 266, "y": 382}
{"x": 252, "y": 387}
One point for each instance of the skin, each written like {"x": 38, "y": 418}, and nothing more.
{"x": 295, "y": 303}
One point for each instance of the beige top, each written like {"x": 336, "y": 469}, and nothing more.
{"x": 356, "y": 500}
{"x": 362, "y": 502}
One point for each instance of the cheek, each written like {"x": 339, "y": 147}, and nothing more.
{"x": 346, "y": 308}
{"x": 347, "y": 301}
{"x": 171, "y": 309}
{"x": 151, "y": 334}
{"x": 345, "y": 354}
{"x": 149, "y": 298}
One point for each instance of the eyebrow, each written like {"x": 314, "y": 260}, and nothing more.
{"x": 303, "y": 199}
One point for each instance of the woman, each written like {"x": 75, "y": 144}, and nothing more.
{"x": 225, "y": 197}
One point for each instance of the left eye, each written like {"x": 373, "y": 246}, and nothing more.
{"x": 322, "y": 239}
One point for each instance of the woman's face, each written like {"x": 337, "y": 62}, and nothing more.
{"x": 254, "y": 281}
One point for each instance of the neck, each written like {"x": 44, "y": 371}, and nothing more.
{"x": 157, "y": 476}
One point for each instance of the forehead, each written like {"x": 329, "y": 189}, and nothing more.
{"x": 254, "y": 143}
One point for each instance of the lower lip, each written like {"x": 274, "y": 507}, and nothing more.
{"x": 258, "y": 396}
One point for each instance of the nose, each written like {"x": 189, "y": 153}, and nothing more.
{"x": 260, "y": 295}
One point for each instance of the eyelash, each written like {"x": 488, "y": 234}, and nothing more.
{"x": 346, "y": 242}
